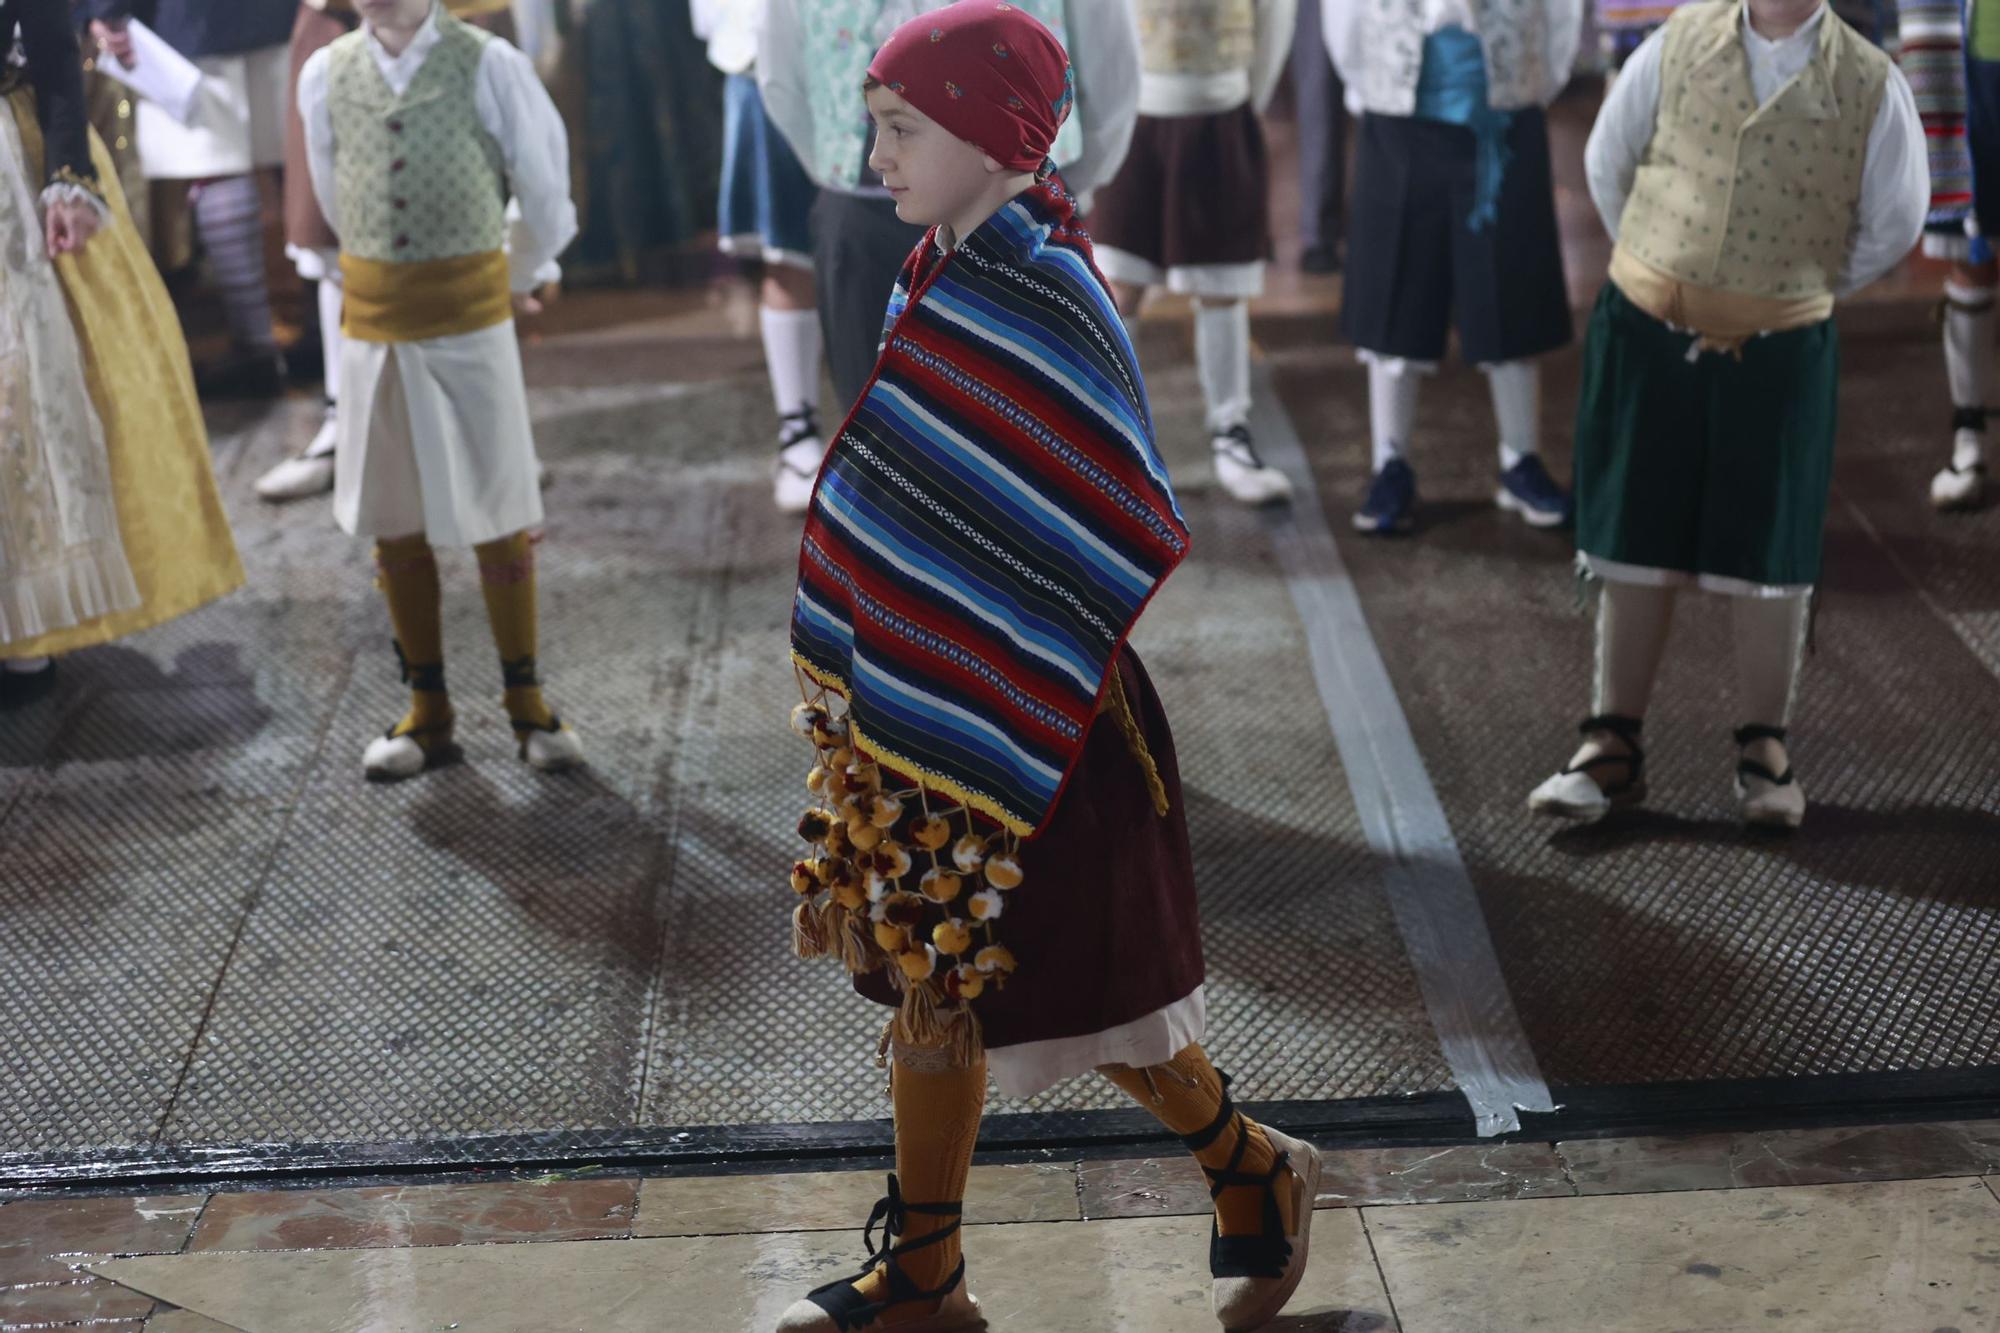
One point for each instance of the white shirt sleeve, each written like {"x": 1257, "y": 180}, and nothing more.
{"x": 522, "y": 118}
{"x": 781, "y": 79}
{"x": 1277, "y": 21}
{"x": 1895, "y": 188}
{"x": 1337, "y": 22}
{"x": 1104, "y": 48}
{"x": 1624, "y": 128}
{"x": 319, "y": 135}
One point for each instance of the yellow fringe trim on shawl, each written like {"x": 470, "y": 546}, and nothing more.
{"x": 937, "y": 782}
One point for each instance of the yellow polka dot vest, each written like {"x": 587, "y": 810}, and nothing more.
{"x": 1759, "y": 201}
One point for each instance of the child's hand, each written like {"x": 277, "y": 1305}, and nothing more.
{"x": 68, "y": 224}
{"x": 115, "y": 38}
{"x": 538, "y": 300}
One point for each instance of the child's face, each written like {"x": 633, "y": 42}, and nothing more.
{"x": 934, "y": 175}
{"x": 394, "y": 13}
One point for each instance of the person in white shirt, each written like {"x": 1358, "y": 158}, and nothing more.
{"x": 1753, "y": 162}
{"x": 1190, "y": 210}
{"x": 443, "y": 167}
{"x": 764, "y": 215}
{"x": 1452, "y": 223}
{"x": 812, "y": 56}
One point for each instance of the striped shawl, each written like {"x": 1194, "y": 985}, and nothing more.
{"x": 991, "y": 520}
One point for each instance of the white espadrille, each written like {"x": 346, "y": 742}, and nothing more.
{"x": 1767, "y": 799}
{"x": 552, "y": 751}
{"x": 1574, "y": 793}
{"x": 393, "y": 758}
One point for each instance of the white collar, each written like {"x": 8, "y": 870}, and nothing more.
{"x": 419, "y": 47}
{"x": 1759, "y": 43}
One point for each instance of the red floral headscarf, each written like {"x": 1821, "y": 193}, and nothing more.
{"x": 987, "y": 72}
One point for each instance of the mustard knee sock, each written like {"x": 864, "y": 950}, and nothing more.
{"x": 507, "y": 578}
{"x": 1187, "y": 1094}
{"x": 938, "y": 1108}
{"x": 406, "y": 572}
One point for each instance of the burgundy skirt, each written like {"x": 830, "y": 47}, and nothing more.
{"x": 1193, "y": 191}
{"x": 1104, "y": 926}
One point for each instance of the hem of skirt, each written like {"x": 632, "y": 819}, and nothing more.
{"x": 1657, "y": 576}
{"x": 1027, "y": 1068}
{"x": 752, "y": 245}
{"x": 1233, "y": 281}
{"x": 90, "y": 584}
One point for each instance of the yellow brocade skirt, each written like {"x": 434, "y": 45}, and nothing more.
{"x": 176, "y": 535}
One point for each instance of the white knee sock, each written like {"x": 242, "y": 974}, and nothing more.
{"x": 1222, "y": 355}
{"x": 1968, "y": 343}
{"x": 792, "y": 342}
{"x": 1770, "y": 643}
{"x": 1632, "y": 623}
{"x": 1392, "y": 407}
{"x": 330, "y": 300}
{"x": 1517, "y": 408}
{"x": 331, "y": 341}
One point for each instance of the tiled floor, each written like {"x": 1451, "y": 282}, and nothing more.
{"x": 1868, "y": 1229}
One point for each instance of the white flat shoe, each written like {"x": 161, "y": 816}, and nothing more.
{"x": 1956, "y": 488}
{"x": 1252, "y": 1302}
{"x": 307, "y": 475}
{"x": 797, "y": 471}
{"x": 1574, "y": 794}
{"x": 26, "y": 666}
{"x": 1243, "y": 474}
{"x": 393, "y": 758}
{"x": 551, "y": 751}
{"x": 1767, "y": 799}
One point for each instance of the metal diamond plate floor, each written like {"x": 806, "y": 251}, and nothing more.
{"x": 1671, "y": 944}
{"x": 223, "y": 946}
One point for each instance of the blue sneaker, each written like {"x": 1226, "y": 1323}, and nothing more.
{"x": 1529, "y": 490}
{"x": 1391, "y": 496}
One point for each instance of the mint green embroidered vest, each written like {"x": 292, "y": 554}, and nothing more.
{"x": 418, "y": 176}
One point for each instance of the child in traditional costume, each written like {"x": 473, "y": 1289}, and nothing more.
{"x": 1752, "y": 163}
{"x": 419, "y": 127}
{"x": 236, "y": 129}
{"x": 1190, "y": 209}
{"x": 811, "y": 57}
{"x": 1453, "y": 222}
{"x": 1951, "y": 55}
{"x": 999, "y": 848}
{"x": 109, "y": 518}
{"x": 310, "y": 242}
{"x": 765, "y": 216}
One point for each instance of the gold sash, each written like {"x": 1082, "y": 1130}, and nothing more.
{"x": 1721, "y": 321}
{"x": 406, "y": 303}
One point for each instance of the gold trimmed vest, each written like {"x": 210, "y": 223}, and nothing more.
{"x": 423, "y": 193}
{"x": 1756, "y": 201}
{"x": 1196, "y": 36}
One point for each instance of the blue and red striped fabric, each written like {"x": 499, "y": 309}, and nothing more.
{"x": 991, "y": 520}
